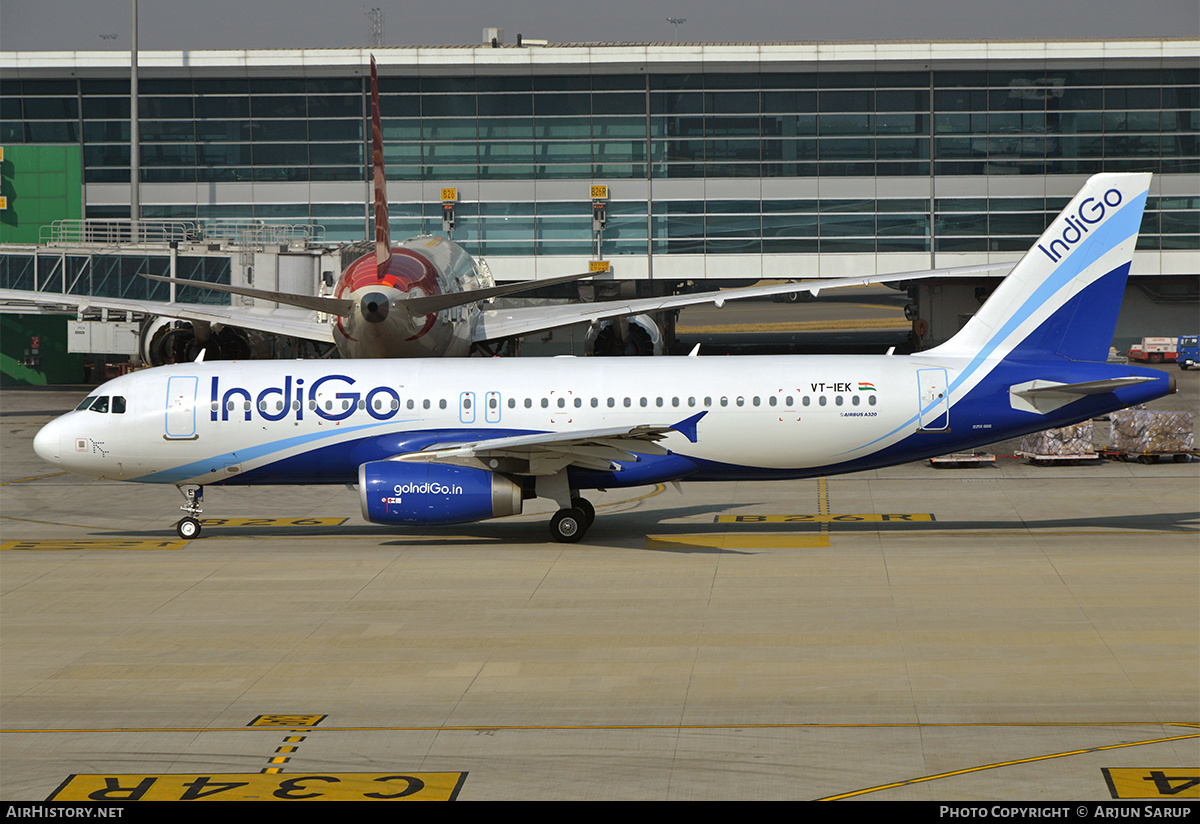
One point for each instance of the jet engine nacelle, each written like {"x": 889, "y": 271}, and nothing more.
{"x": 164, "y": 340}
{"x": 641, "y": 336}
{"x": 396, "y": 492}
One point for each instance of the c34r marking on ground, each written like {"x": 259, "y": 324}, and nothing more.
{"x": 273, "y": 521}
{"x": 262, "y": 787}
{"x": 909, "y": 517}
{"x": 1143, "y": 782}
{"x": 89, "y": 546}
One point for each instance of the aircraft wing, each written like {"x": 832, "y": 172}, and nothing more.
{"x": 503, "y": 323}
{"x": 545, "y": 453}
{"x": 283, "y": 320}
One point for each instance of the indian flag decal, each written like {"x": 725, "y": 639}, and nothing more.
{"x": 863, "y": 386}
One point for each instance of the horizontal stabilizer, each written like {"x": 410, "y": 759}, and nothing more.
{"x": 1042, "y": 397}
{"x": 334, "y": 306}
{"x": 437, "y": 303}
{"x": 424, "y": 305}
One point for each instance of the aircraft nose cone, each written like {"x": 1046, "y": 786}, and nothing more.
{"x": 374, "y": 307}
{"x": 46, "y": 443}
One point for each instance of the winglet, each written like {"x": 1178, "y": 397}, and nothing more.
{"x": 383, "y": 242}
{"x": 687, "y": 426}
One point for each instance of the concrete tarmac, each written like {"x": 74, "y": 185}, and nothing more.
{"x": 1012, "y": 632}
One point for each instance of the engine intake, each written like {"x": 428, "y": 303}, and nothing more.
{"x": 396, "y": 492}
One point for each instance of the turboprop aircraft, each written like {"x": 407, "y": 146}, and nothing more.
{"x": 443, "y": 442}
{"x": 421, "y": 297}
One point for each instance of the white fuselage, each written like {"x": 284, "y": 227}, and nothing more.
{"x": 209, "y": 422}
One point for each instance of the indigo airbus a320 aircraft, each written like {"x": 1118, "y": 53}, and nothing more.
{"x": 455, "y": 441}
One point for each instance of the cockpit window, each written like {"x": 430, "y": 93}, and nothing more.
{"x": 101, "y": 404}
{"x": 85, "y": 403}
{"x": 118, "y": 405}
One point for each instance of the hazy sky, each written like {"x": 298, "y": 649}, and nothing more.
{"x": 214, "y": 24}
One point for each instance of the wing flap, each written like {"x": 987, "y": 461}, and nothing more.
{"x": 548, "y": 452}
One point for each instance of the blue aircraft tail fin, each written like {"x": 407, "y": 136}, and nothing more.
{"x": 1064, "y": 295}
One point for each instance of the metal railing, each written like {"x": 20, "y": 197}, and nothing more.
{"x": 258, "y": 233}
{"x": 119, "y": 231}
{"x": 114, "y": 232}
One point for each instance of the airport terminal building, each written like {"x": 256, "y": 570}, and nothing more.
{"x": 717, "y": 162}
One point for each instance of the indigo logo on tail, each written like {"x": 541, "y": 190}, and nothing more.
{"x": 1091, "y": 212}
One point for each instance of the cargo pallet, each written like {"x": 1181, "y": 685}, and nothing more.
{"x": 1080, "y": 457}
{"x": 962, "y": 459}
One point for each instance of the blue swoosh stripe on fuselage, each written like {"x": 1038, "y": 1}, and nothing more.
{"x": 205, "y": 465}
{"x": 333, "y": 463}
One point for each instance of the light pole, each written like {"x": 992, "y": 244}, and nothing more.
{"x": 135, "y": 158}
{"x": 676, "y": 21}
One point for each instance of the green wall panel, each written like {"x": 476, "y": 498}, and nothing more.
{"x": 42, "y": 184}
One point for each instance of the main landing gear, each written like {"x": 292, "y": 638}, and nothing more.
{"x": 189, "y": 525}
{"x": 571, "y": 523}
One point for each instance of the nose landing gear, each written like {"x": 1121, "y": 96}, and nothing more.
{"x": 189, "y": 525}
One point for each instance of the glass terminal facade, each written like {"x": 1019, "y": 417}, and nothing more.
{"x": 750, "y": 157}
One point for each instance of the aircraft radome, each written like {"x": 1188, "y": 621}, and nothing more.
{"x": 434, "y": 441}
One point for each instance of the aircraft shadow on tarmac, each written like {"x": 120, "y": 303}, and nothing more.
{"x": 629, "y": 529}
